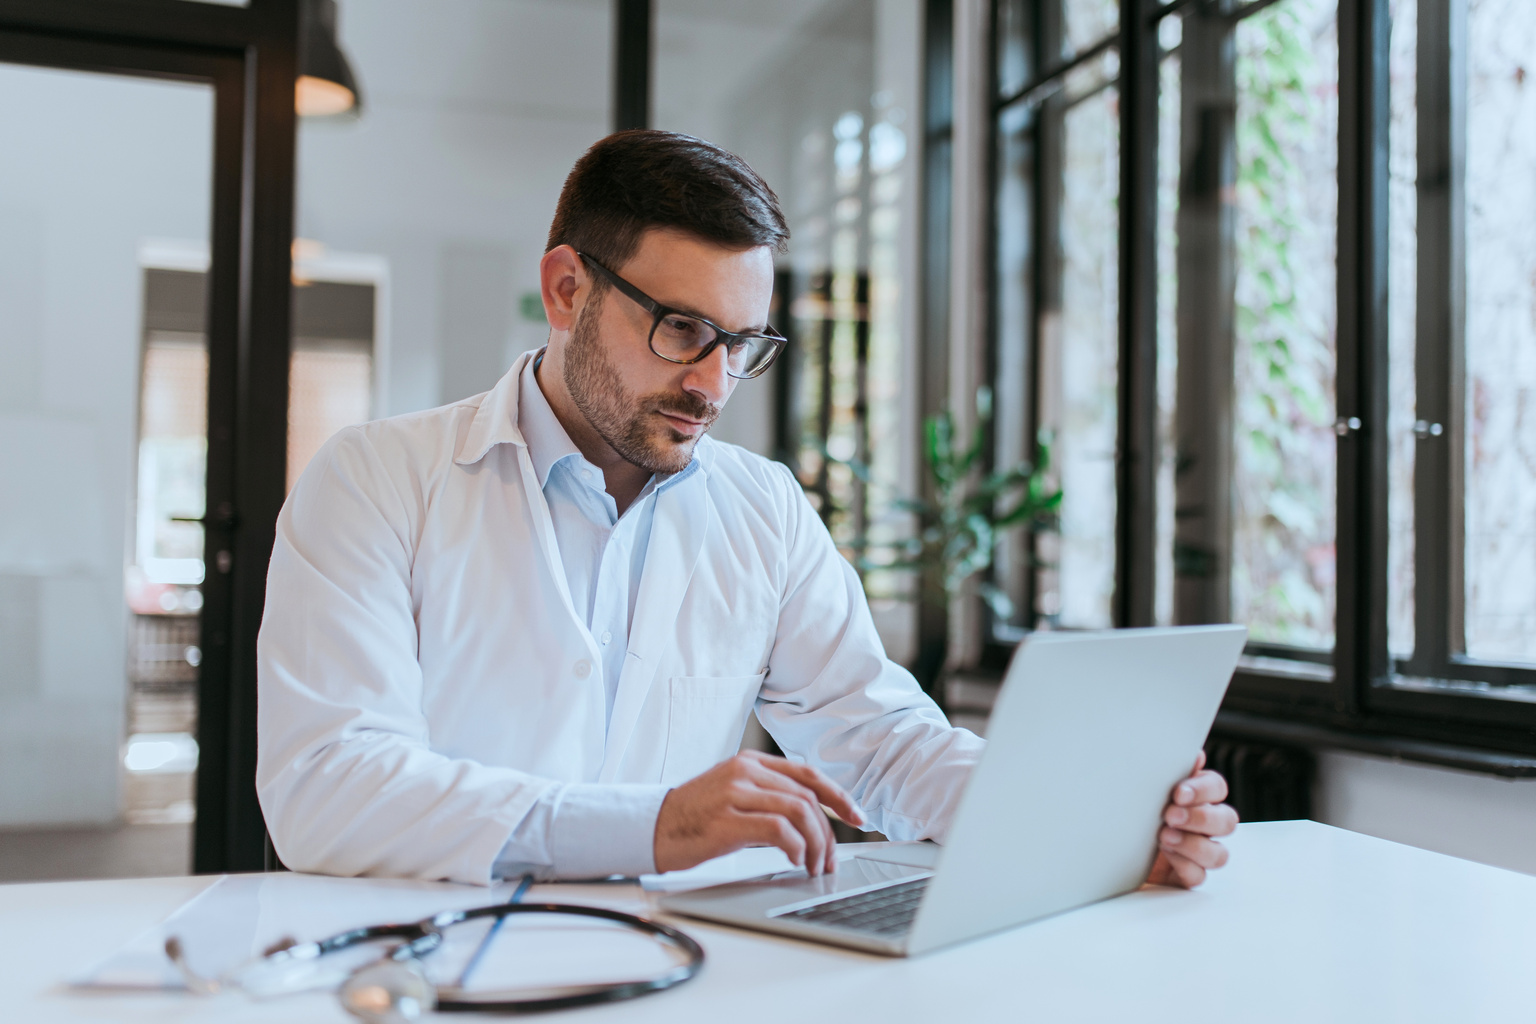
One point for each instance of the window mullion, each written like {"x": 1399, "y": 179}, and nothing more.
{"x": 1360, "y": 655}
{"x": 1441, "y": 245}
{"x": 1136, "y": 449}
{"x": 1206, "y": 309}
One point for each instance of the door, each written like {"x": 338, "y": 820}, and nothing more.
{"x": 132, "y": 554}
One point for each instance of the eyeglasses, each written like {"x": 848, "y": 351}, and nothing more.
{"x": 680, "y": 337}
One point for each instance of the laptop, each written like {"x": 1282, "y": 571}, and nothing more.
{"x": 1090, "y": 733}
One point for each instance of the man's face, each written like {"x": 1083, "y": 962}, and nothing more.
{"x": 650, "y": 411}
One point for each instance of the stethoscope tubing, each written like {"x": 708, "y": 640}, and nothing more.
{"x": 450, "y": 999}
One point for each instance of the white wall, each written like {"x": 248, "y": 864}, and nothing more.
{"x": 1465, "y": 814}
{"x": 474, "y": 112}
{"x": 91, "y": 166}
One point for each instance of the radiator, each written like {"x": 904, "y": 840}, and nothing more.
{"x": 1268, "y": 782}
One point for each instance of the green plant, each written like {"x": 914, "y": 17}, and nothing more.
{"x": 959, "y": 526}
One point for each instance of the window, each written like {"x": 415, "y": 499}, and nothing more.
{"x": 1263, "y": 280}
{"x": 821, "y": 98}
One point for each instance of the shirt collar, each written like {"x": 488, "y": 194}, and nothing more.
{"x": 500, "y": 419}
{"x": 548, "y": 442}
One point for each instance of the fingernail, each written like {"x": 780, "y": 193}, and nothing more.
{"x": 1177, "y": 816}
{"x": 1186, "y": 793}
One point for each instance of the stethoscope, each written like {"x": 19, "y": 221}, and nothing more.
{"x": 396, "y": 989}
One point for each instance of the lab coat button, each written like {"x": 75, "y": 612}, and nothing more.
{"x": 583, "y": 668}
{"x": 606, "y": 638}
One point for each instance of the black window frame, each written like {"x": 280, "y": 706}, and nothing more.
{"x": 1357, "y": 695}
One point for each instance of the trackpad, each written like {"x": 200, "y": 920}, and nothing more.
{"x": 913, "y": 855}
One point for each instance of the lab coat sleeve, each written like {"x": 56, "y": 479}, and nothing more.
{"x": 833, "y": 699}
{"x": 347, "y": 779}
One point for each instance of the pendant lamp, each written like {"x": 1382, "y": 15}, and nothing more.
{"x": 326, "y": 85}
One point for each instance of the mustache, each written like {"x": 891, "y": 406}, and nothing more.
{"x": 689, "y": 406}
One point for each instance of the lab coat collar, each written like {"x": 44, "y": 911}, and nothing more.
{"x": 496, "y": 420}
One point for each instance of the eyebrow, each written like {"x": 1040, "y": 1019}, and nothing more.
{"x": 690, "y": 311}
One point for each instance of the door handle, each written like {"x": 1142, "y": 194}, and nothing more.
{"x": 224, "y": 516}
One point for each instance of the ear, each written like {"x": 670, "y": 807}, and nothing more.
{"x": 563, "y": 285}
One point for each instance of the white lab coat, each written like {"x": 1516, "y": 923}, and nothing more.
{"x": 424, "y": 677}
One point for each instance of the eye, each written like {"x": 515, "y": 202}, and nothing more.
{"x": 684, "y": 330}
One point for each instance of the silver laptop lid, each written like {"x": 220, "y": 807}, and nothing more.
{"x": 1089, "y": 736}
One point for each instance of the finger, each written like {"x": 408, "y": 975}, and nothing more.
{"x": 775, "y": 830}
{"x": 1183, "y": 871}
{"x": 1206, "y": 819}
{"x": 769, "y": 779}
{"x": 1199, "y": 763}
{"x": 803, "y": 815}
{"x": 1207, "y": 853}
{"x": 1162, "y": 870}
{"x": 827, "y": 791}
{"x": 1204, "y": 787}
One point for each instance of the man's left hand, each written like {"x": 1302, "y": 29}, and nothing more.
{"x": 1186, "y": 847}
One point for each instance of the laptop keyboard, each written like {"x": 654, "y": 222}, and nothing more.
{"x": 887, "y": 911}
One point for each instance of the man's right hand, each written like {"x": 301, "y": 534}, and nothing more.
{"x": 753, "y": 799}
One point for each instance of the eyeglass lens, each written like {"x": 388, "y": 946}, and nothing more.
{"x": 682, "y": 338}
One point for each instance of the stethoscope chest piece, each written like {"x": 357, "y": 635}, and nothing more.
{"x": 389, "y": 991}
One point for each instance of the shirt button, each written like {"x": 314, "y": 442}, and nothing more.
{"x": 606, "y": 637}
{"x": 583, "y": 668}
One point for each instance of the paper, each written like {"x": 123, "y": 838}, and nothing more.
{"x": 759, "y": 861}
{"x": 232, "y": 921}
{"x": 753, "y": 862}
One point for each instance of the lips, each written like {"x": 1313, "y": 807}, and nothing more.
{"x": 683, "y": 424}
{"x": 685, "y": 414}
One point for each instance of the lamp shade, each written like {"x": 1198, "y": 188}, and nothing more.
{"x": 326, "y": 84}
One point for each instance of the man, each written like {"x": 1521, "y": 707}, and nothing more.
{"x": 522, "y": 633}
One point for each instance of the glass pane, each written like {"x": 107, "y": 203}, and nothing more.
{"x": 331, "y": 379}
{"x": 1085, "y": 22}
{"x": 1013, "y": 292}
{"x": 1500, "y": 410}
{"x": 821, "y": 97}
{"x": 1287, "y": 196}
{"x": 104, "y": 194}
{"x": 1168, "y": 141}
{"x": 1402, "y": 299}
{"x": 1015, "y": 46}
{"x": 1079, "y": 366}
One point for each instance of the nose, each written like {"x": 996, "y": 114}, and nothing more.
{"x": 708, "y": 378}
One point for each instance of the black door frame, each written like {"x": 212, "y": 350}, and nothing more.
{"x": 249, "y": 57}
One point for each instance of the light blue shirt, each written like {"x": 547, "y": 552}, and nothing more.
{"x": 603, "y": 554}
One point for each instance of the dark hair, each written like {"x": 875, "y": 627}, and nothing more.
{"x": 642, "y": 178}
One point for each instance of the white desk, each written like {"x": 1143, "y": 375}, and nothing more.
{"x": 1308, "y": 923}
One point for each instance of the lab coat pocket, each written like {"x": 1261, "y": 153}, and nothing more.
{"x": 707, "y": 716}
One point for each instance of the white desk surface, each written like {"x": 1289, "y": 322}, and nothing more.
{"x": 1308, "y": 923}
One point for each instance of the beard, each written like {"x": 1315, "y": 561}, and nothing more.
{"x": 628, "y": 422}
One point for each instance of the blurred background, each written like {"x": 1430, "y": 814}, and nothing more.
{"x": 1242, "y": 295}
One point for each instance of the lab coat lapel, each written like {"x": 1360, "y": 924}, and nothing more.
{"x": 677, "y": 540}
{"x": 544, "y": 526}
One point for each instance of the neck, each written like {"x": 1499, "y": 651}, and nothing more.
{"x": 622, "y": 479}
